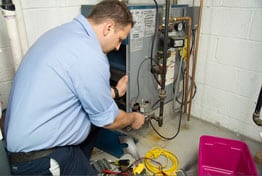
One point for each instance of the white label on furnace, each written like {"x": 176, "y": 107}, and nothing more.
{"x": 144, "y": 27}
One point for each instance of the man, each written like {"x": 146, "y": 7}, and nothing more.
{"x": 61, "y": 90}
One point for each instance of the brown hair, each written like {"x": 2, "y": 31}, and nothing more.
{"x": 112, "y": 9}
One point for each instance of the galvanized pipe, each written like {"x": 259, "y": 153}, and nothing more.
{"x": 162, "y": 94}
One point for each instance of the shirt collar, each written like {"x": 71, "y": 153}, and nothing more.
{"x": 85, "y": 24}
{"x": 87, "y": 28}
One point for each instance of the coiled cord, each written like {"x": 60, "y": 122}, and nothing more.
{"x": 156, "y": 167}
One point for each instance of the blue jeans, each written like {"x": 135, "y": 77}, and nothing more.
{"x": 67, "y": 160}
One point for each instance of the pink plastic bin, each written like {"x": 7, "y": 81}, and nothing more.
{"x": 221, "y": 156}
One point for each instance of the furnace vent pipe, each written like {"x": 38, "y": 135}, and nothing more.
{"x": 9, "y": 13}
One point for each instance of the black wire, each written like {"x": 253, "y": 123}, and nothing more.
{"x": 183, "y": 71}
{"x": 183, "y": 78}
{"x": 155, "y": 103}
{"x": 155, "y": 32}
{"x": 151, "y": 55}
{"x": 195, "y": 89}
{"x": 155, "y": 76}
{"x": 193, "y": 41}
{"x": 153, "y": 43}
{"x": 181, "y": 104}
{"x": 137, "y": 79}
{"x": 179, "y": 124}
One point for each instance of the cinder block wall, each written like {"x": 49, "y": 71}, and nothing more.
{"x": 229, "y": 68}
{"x": 6, "y": 64}
{"x": 229, "y": 73}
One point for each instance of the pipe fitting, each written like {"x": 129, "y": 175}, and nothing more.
{"x": 159, "y": 119}
{"x": 256, "y": 113}
{"x": 256, "y": 119}
{"x": 8, "y": 5}
{"x": 162, "y": 94}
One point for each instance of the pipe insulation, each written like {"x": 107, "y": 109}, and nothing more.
{"x": 9, "y": 13}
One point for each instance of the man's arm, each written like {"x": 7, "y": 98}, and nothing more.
{"x": 133, "y": 119}
{"x": 121, "y": 86}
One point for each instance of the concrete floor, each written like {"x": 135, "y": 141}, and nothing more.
{"x": 185, "y": 145}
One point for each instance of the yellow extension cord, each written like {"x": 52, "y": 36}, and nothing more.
{"x": 156, "y": 169}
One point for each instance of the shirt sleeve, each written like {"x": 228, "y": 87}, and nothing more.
{"x": 90, "y": 78}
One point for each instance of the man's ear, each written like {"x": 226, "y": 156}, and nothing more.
{"x": 108, "y": 27}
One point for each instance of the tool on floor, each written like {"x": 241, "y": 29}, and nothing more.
{"x": 138, "y": 167}
{"x": 122, "y": 164}
{"x": 101, "y": 165}
{"x": 131, "y": 148}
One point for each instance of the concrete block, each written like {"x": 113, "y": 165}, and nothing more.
{"x": 221, "y": 76}
{"x": 6, "y": 60}
{"x": 35, "y": 27}
{"x": 248, "y": 83}
{"x": 6, "y": 75}
{"x": 243, "y": 3}
{"x": 213, "y": 3}
{"x": 215, "y": 99}
{"x": 4, "y": 93}
{"x": 226, "y": 22}
{"x": 240, "y": 53}
{"x": 30, "y": 4}
{"x": 206, "y": 52}
{"x": 4, "y": 39}
{"x": 256, "y": 26}
{"x": 239, "y": 107}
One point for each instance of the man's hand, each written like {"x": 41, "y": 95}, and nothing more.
{"x": 122, "y": 85}
{"x": 138, "y": 120}
{"x": 133, "y": 119}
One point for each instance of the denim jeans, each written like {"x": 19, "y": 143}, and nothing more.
{"x": 66, "y": 160}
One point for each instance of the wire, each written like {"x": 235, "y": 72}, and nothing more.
{"x": 156, "y": 167}
{"x": 137, "y": 79}
{"x": 195, "y": 89}
{"x": 179, "y": 124}
{"x": 178, "y": 130}
{"x": 152, "y": 164}
{"x": 153, "y": 43}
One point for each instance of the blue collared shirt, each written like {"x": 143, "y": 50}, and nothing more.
{"x": 60, "y": 88}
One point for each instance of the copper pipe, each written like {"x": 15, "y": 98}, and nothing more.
{"x": 195, "y": 58}
{"x": 189, "y": 22}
